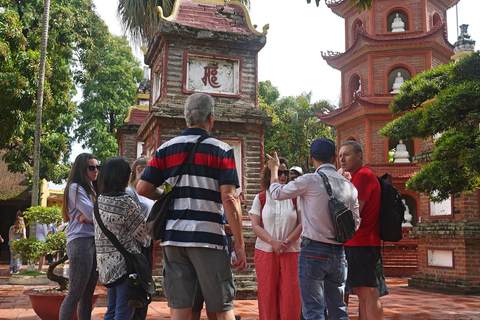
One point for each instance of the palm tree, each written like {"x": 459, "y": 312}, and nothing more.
{"x": 38, "y": 121}
{"x": 140, "y": 18}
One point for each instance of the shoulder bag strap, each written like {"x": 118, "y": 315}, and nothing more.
{"x": 326, "y": 183}
{"x": 190, "y": 156}
{"x": 112, "y": 237}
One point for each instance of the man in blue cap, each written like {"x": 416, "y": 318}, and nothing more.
{"x": 322, "y": 268}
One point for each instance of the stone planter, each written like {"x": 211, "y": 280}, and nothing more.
{"x": 41, "y": 279}
{"x": 47, "y": 304}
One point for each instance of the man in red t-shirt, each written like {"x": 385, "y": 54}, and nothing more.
{"x": 363, "y": 250}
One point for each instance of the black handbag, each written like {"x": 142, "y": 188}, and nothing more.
{"x": 342, "y": 216}
{"x": 140, "y": 284}
{"x": 157, "y": 219}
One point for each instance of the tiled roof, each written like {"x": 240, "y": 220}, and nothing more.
{"x": 137, "y": 116}
{"x": 13, "y": 186}
{"x": 367, "y": 42}
{"x": 213, "y": 15}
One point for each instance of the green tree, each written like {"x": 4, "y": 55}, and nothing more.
{"x": 361, "y": 4}
{"x": 76, "y": 36}
{"x": 443, "y": 101}
{"x": 294, "y": 124}
{"x": 106, "y": 97}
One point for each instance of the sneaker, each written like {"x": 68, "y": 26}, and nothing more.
{"x": 17, "y": 272}
{"x": 11, "y": 271}
{"x": 43, "y": 272}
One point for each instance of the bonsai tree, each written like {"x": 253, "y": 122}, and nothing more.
{"x": 31, "y": 249}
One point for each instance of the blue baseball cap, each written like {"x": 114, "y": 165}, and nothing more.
{"x": 322, "y": 148}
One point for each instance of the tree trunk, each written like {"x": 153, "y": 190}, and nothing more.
{"x": 38, "y": 122}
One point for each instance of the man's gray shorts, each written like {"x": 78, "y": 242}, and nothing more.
{"x": 184, "y": 266}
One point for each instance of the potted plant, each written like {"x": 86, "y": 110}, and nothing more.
{"x": 46, "y": 302}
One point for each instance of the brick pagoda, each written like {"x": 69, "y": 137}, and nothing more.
{"x": 400, "y": 39}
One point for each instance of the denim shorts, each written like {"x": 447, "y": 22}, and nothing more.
{"x": 185, "y": 268}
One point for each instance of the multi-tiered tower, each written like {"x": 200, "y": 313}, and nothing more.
{"x": 391, "y": 43}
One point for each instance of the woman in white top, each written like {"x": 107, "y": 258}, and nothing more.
{"x": 277, "y": 225}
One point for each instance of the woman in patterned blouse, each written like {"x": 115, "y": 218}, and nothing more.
{"x": 121, "y": 215}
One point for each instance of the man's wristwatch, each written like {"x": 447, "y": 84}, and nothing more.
{"x": 288, "y": 241}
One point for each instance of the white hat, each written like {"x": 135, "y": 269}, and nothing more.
{"x": 297, "y": 169}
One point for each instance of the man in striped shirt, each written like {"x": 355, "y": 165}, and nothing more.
{"x": 194, "y": 248}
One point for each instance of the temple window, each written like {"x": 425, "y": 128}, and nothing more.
{"x": 400, "y": 151}
{"x": 355, "y": 86}
{"x": 397, "y": 21}
{"x": 157, "y": 83}
{"x": 436, "y": 19}
{"x": 396, "y": 78}
{"x": 357, "y": 24}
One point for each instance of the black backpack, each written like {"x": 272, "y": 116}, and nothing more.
{"x": 392, "y": 210}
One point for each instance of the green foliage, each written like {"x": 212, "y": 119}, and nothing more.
{"x": 56, "y": 242}
{"x": 294, "y": 124}
{"x": 444, "y": 101}
{"x": 43, "y": 215}
{"x": 29, "y": 249}
{"x": 107, "y": 94}
{"x": 76, "y": 36}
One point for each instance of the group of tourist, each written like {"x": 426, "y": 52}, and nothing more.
{"x": 301, "y": 268}
{"x": 296, "y": 254}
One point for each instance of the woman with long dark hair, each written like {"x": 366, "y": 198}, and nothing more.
{"x": 78, "y": 198}
{"x": 122, "y": 217}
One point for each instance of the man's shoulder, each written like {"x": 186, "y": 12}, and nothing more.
{"x": 365, "y": 172}
{"x": 186, "y": 138}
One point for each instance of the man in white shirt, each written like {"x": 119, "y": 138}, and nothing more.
{"x": 322, "y": 268}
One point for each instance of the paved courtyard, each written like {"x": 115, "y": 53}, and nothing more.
{"x": 402, "y": 303}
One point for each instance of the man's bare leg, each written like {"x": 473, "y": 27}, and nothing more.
{"x": 227, "y": 315}
{"x": 180, "y": 314}
{"x": 196, "y": 315}
{"x": 369, "y": 304}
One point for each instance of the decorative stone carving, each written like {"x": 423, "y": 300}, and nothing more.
{"x": 398, "y": 24}
{"x": 407, "y": 216}
{"x": 464, "y": 43}
{"x": 401, "y": 154}
{"x": 398, "y": 83}
{"x": 144, "y": 87}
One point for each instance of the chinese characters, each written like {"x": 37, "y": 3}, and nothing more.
{"x": 210, "y": 76}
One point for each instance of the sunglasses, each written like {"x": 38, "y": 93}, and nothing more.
{"x": 284, "y": 172}
{"x": 92, "y": 168}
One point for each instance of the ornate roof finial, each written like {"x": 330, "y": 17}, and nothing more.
{"x": 464, "y": 43}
